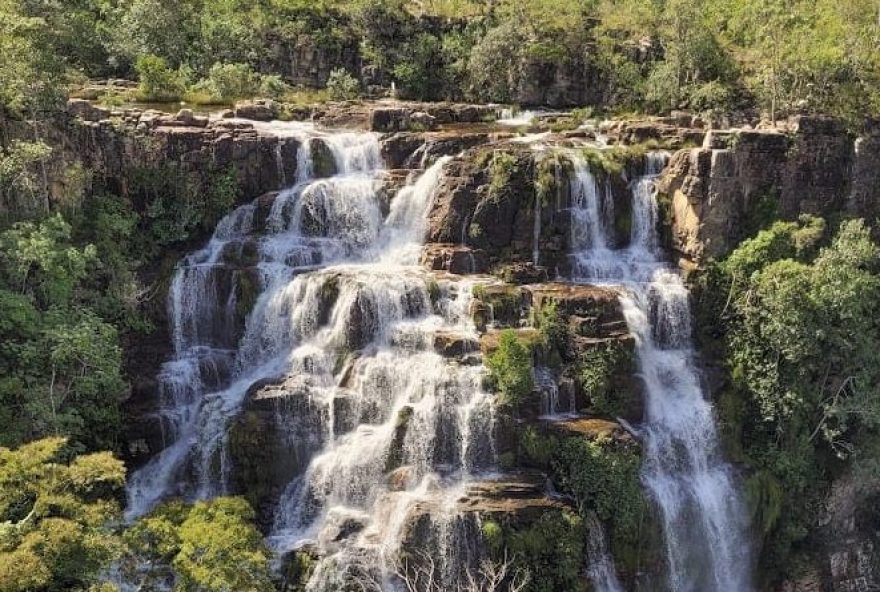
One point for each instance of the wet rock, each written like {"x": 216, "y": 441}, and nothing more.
{"x": 389, "y": 119}
{"x": 395, "y": 451}
{"x": 323, "y": 161}
{"x": 454, "y": 345}
{"x": 457, "y": 259}
{"x": 523, "y": 273}
{"x": 507, "y": 304}
{"x": 599, "y": 307}
{"x": 592, "y": 428}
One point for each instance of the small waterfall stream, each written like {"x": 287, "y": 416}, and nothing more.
{"x": 705, "y": 524}
{"x": 343, "y": 326}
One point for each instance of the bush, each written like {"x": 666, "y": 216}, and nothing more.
{"x": 710, "y": 96}
{"x": 158, "y": 82}
{"x": 510, "y": 368}
{"x": 596, "y": 371}
{"x": 342, "y": 86}
{"x": 229, "y": 82}
{"x": 273, "y": 87}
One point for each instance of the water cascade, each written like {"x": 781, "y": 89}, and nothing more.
{"x": 600, "y": 566}
{"x": 341, "y": 337}
{"x": 705, "y": 524}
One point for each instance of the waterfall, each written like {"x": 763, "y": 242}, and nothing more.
{"x": 342, "y": 325}
{"x": 705, "y": 525}
{"x": 601, "y": 567}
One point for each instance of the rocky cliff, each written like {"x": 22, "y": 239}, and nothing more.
{"x": 725, "y": 190}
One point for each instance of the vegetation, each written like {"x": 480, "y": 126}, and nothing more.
{"x": 53, "y": 508}
{"x": 212, "y": 546}
{"x": 510, "y": 368}
{"x": 597, "y": 369}
{"x": 792, "y": 313}
{"x": 798, "y": 331}
{"x": 603, "y": 477}
{"x": 648, "y": 56}
{"x": 342, "y": 86}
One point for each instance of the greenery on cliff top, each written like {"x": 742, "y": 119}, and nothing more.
{"x": 645, "y": 55}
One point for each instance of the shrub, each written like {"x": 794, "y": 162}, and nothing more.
{"x": 273, "y": 87}
{"x": 342, "y": 86}
{"x": 158, "y": 82}
{"x": 710, "y": 96}
{"x": 228, "y": 82}
{"x": 510, "y": 368}
{"x": 596, "y": 370}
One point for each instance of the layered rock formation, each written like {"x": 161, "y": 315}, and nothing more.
{"x": 738, "y": 180}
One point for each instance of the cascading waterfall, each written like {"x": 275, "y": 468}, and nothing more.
{"x": 705, "y": 525}
{"x": 601, "y": 567}
{"x": 344, "y": 324}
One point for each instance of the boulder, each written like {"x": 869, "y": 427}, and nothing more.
{"x": 86, "y": 110}
{"x": 258, "y": 110}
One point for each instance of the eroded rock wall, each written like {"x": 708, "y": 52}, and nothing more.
{"x": 739, "y": 180}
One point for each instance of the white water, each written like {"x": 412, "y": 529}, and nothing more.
{"x": 345, "y": 320}
{"x": 601, "y": 567}
{"x": 704, "y": 522}
{"x": 516, "y": 119}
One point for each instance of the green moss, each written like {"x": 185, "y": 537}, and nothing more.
{"x": 502, "y": 168}
{"x": 554, "y": 334}
{"x": 248, "y": 290}
{"x": 550, "y": 172}
{"x": 395, "y": 451}
{"x": 433, "y": 289}
{"x": 493, "y": 536}
{"x": 505, "y": 301}
{"x": 298, "y": 569}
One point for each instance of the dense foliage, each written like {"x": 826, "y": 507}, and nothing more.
{"x": 210, "y": 546}
{"x": 53, "y": 508}
{"x": 655, "y": 56}
{"x": 799, "y": 331}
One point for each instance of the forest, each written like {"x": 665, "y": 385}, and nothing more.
{"x": 790, "y": 317}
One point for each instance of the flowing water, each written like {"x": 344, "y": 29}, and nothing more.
{"x": 704, "y": 522}
{"x": 343, "y": 327}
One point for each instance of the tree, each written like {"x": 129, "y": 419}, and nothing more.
{"x": 211, "y": 546}
{"x": 61, "y": 363}
{"x": 53, "y": 512}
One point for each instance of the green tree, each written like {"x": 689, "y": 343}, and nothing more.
{"x": 53, "y": 514}
{"x": 211, "y": 546}
{"x": 158, "y": 82}
{"x": 61, "y": 362}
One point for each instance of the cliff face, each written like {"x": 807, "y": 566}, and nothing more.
{"x": 724, "y": 191}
